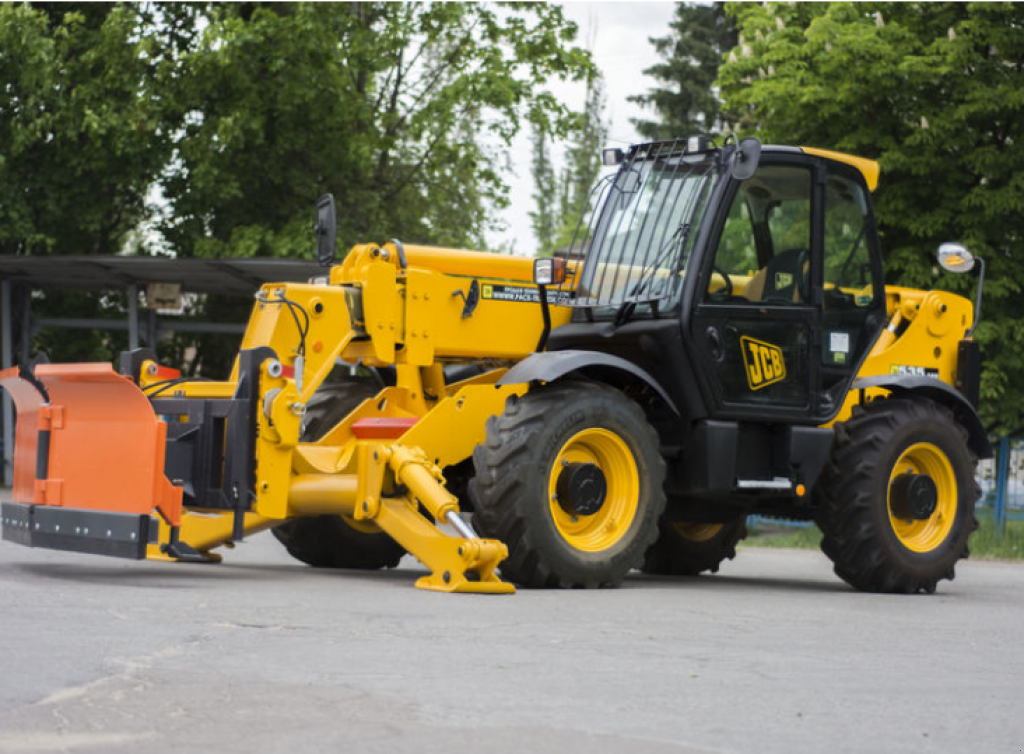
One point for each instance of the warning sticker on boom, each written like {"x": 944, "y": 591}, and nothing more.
{"x": 521, "y": 294}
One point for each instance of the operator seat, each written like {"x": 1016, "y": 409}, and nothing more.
{"x": 782, "y": 281}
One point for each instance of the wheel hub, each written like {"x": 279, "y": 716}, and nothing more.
{"x": 913, "y": 497}
{"x": 581, "y": 489}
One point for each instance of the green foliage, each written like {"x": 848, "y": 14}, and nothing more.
{"x": 79, "y": 128}
{"x": 934, "y": 92}
{"x": 242, "y": 114}
{"x": 401, "y": 110}
{"x": 988, "y": 543}
{"x": 584, "y": 162}
{"x": 768, "y": 535}
{"x": 686, "y": 102}
{"x": 545, "y": 218}
{"x": 238, "y": 116}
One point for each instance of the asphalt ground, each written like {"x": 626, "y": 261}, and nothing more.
{"x": 262, "y": 654}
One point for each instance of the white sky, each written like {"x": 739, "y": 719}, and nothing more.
{"x": 618, "y": 34}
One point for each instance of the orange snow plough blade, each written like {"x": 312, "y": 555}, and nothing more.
{"x": 88, "y": 462}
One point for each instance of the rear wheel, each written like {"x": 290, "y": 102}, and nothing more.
{"x": 897, "y": 496}
{"x": 687, "y": 548}
{"x": 337, "y": 541}
{"x": 570, "y": 477}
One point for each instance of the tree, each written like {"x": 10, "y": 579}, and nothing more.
{"x": 243, "y": 114}
{"x": 584, "y": 160}
{"x": 400, "y": 109}
{"x": 935, "y": 93}
{"x": 545, "y": 218}
{"x": 563, "y": 197}
{"x": 687, "y": 102}
{"x": 80, "y": 141}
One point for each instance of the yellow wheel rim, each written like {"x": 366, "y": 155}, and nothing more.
{"x": 696, "y": 532}
{"x": 927, "y": 534}
{"x": 609, "y": 524}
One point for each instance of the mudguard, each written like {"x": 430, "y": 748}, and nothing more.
{"x": 549, "y": 366}
{"x": 939, "y": 392}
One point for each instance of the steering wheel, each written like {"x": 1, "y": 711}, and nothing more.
{"x": 725, "y": 292}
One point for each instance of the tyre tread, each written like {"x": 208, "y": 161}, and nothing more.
{"x": 500, "y": 488}
{"x": 853, "y": 538}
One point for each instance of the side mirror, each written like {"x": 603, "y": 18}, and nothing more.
{"x": 955, "y": 257}
{"x": 746, "y": 158}
{"x": 326, "y": 229}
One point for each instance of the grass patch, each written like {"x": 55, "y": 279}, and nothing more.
{"x": 769, "y": 535}
{"x": 984, "y": 543}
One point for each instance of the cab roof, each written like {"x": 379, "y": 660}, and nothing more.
{"x": 868, "y": 168}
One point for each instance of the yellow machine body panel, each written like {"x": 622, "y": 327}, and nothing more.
{"x": 920, "y": 339}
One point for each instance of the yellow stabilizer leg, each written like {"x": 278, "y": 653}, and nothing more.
{"x": 458, "y": 564}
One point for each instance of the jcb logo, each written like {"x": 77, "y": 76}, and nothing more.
{"x": 763, "y": 362}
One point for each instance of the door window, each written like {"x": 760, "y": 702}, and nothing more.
{"x": 763, "y": 253}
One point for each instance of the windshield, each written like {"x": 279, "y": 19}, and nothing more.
{"x": 636, "y": 246}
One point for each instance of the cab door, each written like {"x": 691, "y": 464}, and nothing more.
{"x": 768, "y": 349}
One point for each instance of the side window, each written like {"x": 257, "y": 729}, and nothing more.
{"x": 763, "y": 252}
{"x": 849, "y": 276}
{"x": 848, "y": 263}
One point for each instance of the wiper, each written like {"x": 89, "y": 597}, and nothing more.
{"x": 628, "y": 306}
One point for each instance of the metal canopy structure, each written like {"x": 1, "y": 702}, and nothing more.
{"x": 239, "y": 277}
{"x": 220, "y": 277}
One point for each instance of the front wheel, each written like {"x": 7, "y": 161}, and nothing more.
{"x": 571, "y": 478}
{"x": 896, "y": 500}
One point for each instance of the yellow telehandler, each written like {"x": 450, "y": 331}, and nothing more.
{"x": 717, "y": 341}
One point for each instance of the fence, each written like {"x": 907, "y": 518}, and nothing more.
{"x": 1002, "y": 484}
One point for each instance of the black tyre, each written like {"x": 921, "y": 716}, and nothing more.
{"x": 896, "y": 500}
{"x": 687, "y": 549}
{"x": 570, "y": 477}
{"x": 337, "y": 541}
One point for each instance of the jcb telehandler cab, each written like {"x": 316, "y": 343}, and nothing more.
{"x": 735, "y": 297}
{"x": 716, "y": 341}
